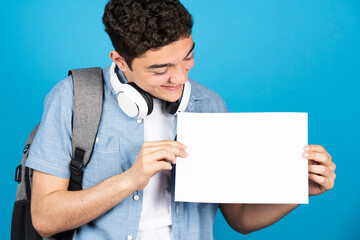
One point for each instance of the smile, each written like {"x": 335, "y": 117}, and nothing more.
{"x": 172, "y": 87}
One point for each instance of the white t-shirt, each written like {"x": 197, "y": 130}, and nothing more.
{"x": 155, "y": 220}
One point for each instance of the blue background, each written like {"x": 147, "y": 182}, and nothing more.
{"x": 299, "y": 55}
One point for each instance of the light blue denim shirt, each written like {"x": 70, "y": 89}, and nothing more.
{"x": 119, "y": 141}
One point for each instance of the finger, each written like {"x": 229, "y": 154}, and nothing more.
{"x": 322, "y": 158}
{"x": 175, "y": 149}
{"x": 319, "y": 170}
{"x": 164, "y": 142}
{"x": 163, "y": 154}
{"x": 315, "y": 148}
{"x": 332, "y": 166}
{"x": 161, "y": 165}
{"x": 324, "y": 182}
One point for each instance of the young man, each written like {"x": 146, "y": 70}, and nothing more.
{"x": 128, "y": 184}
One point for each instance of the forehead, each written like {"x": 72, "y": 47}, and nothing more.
{"x": 173, "y": 53}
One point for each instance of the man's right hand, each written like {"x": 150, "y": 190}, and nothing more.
{"x": 154, "y": 157}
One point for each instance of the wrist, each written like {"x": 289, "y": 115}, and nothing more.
{"x": 129, "y": 181}
{"x": 120, "y": 186}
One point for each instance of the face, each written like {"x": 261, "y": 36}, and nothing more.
{"x": 161, "y": 72}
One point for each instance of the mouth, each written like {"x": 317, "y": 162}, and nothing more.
{"x": 173, "y": 87}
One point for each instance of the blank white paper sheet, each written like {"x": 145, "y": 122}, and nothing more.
{"x": 242, "y": 158}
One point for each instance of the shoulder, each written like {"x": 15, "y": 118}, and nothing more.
{"x": 63, "y": 91}
{"x": 206, "y": 99}
{"x": 51, "y": 149}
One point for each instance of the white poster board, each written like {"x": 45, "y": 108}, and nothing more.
{"x": 242, "y": 158}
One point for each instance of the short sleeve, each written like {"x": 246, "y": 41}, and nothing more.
{"x": 51, "y": 149}
{"x": 221, "y": 105}
{"x": 207, "y": 100}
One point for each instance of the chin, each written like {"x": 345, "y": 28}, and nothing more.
{"x": 168, "y": 97}
{"x": 172, "y": 98}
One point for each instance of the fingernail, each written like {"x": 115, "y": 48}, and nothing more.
{"x": 306, "y": 155}
{"x": 306, "y": 148}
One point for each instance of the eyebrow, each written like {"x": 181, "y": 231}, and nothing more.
{"x": 170, "y": 64}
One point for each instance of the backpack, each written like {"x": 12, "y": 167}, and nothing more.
{"x": 88, "y": 98}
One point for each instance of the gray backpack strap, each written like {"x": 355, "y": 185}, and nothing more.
{"x": 88, "y": 100}
{"x": 21, "y": 223}
{"x": 23, "y": 174}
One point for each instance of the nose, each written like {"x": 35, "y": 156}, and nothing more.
{"x": 179, "y": 74}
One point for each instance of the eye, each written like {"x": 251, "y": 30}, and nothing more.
{"x": 189, "y": 58}
{"x": 160, "y": 74}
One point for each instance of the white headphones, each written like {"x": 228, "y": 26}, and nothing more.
{"x": 137, "y": 103}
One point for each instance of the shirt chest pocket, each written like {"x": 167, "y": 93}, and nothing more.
{"x": 105, "y": 160}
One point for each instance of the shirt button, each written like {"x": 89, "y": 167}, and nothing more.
{"x": 136, "y": 197}
{"x": 129, "y": 237}
{"x": 97, "y": 140}
{"x": 139, "y": 121}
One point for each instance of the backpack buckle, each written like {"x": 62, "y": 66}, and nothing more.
{"x": 77, "y": 164}
{"x": 18, "y": 174}
{"x": 76, "y": 167}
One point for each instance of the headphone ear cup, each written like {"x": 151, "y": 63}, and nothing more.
{"x": 147, "y": 97}
{"x": 172, "y": 107}
{"x": 181, "y": 104}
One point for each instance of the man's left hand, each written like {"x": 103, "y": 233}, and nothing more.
{"x": 321, "y": 169}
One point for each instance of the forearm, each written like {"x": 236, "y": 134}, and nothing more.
{"x": 247, "y": 218}
{"x": 54, "y": 209}
{"x": 64, "y": 210}
{"x": 258, "y": 216}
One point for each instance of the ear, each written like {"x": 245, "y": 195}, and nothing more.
{"x": 119, "y": 61}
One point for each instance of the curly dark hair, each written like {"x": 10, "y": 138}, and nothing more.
{"x": 135, "y": 26}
